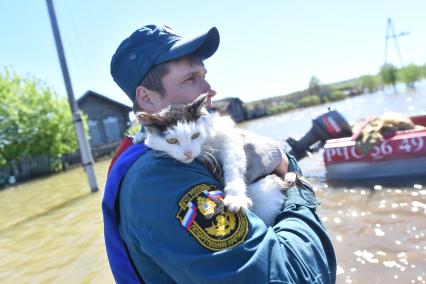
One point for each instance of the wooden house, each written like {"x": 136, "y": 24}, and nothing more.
{"x": 233, "y": 106}
{"x": 107, "y": 119}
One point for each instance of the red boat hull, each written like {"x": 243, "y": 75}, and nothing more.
{"x": 401, "y": 154}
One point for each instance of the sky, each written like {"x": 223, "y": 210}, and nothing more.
{"x": 267, "y": 48}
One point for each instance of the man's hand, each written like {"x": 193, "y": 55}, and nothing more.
{"x": 282, "y": 169}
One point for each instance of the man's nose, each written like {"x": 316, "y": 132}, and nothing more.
{"x": 206, "y": 88}
{"x": 211, "y": 93}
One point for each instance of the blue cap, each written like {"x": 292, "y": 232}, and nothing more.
{"x": 151, "y": 45}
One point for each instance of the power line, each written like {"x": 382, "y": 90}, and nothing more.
{"x": 390, "y": 34}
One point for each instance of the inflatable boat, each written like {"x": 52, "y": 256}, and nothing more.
{"x": 397, "y": 154}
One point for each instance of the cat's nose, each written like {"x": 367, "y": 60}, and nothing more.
{"x": 188, "y": 154}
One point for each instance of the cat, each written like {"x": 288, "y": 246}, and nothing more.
{"x": 188, "y": 131}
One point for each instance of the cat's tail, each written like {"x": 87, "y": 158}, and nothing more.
{"x": 268, "y": 197}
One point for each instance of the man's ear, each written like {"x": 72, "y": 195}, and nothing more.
{"x": 146, "y": 99}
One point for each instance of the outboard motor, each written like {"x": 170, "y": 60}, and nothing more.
{"x": 329, "y": 125}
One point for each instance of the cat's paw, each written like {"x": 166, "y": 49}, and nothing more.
{"x": 237, "y": 203}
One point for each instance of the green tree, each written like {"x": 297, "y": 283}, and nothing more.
{"x": 369, "y": 83}
{"x": 317, "y": 89}
{"x": 423, "y": 71}
{"x": 314, "y": 88}
{"x": 410, "y": 74}
{"x": 34, "y": 120}
{"x": 388, "y": 72}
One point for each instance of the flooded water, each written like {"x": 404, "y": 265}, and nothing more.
{"x": 51, "y": 229}
{"x": 378, "y": 227}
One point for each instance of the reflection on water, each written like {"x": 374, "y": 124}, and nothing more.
{"x": 51, "y": 229}
{"x": 378, "y": 226}
{"x": 378, "y": 232}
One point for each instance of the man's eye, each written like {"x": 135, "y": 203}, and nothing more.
{"x": 172, "y": 140}
{"x": 190, "y": 80}
{"x": 195, "y": 135}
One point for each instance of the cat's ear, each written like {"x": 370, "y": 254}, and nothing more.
{"x": 145, "y": 118}
{"x": 197, "y": 106}
{"x": 149, "y": 121}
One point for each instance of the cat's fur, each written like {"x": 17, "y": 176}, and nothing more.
{"x": 188, "y": 132}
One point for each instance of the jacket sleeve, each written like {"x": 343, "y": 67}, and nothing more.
{"x": 303, "y": 236}
{"x": 228, "y": 248}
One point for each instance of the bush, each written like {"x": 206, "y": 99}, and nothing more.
{"x": 336, "y": 96}
{"x": 34, "y": 120}
{"x": 309, "y": 101}
{"x": 133, "y": 130}
{"x": 279, "y": 108}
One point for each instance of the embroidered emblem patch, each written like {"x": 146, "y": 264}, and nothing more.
{"x": 203, "y": 215}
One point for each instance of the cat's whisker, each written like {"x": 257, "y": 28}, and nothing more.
{"x": 212, "y": 160}
{"x": 212, "y": 164}
{"x": 203, "y": 156}
{"x": 211, "y": 157}
{"x": 208, "y": 160}
{"x": 209, "y": 149}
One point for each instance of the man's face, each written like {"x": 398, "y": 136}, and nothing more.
{"x": 183, "y": 84}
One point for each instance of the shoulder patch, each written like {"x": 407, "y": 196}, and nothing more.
{"x": 203, "y": 215}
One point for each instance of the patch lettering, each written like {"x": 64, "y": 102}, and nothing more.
{"x": 203, "y": 214}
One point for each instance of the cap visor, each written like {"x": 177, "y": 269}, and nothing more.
{"x": 204, "y": 45}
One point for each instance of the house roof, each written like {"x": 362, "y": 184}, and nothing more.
{"x": 92, "y": 93}
{"x": 224, "y": 103}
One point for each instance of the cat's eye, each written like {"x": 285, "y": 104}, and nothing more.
{"x": 172, "y": 140}
{"x": 195, "y": 135}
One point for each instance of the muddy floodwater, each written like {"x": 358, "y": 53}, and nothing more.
{"x": 378, "y": 227}
{"x": 51, "y": 229}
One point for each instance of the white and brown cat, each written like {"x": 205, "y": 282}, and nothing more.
{"x": 245, "y": 160}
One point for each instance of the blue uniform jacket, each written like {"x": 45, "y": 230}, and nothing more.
{"x": 174, "y": 228}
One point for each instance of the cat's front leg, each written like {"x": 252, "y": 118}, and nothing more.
{"x": 236, "y": 198}
{"x": 233, "y": 162}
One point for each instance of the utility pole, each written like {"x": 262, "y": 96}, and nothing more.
{"x": 86, "y": 154}
{"x": 390, "y": 34}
